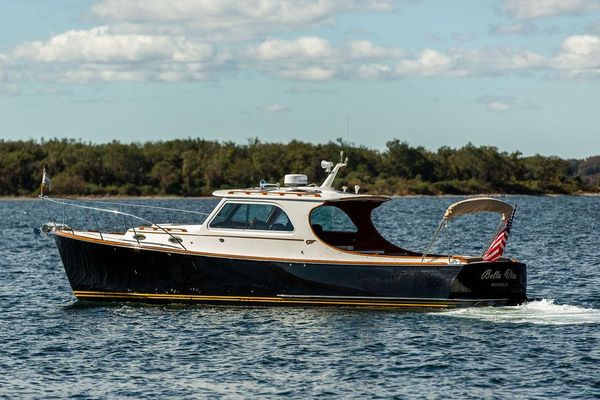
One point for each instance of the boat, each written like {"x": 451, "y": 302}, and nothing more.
{"x": 295, "y": 244}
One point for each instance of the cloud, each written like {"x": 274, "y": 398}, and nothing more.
{"x": 303, "y": 47}
{"x": 304, "y": 90}
{"x": 547, "y": 8}
{"x": 501, "y": 104}
{"x": 433, "y": 37}
{"x": 594, "y": 28}
{"x": 101, "y": 54}
{"x": 363, "y": 49}
{"x": 430, "y": 62}
{"x": 229, "y": 18}
{"x": 497, "y": 104}
{"x": 517, "y": 28}
{"x": 9, "y": 89}
{"x": 307, "y": 73}
{"x": 463, "y": 37}
{"x": 52, "y": 91}
{"x": 101, "y": 45}
{"x": 579, "y": 56}
{"x": 316, "y": 59}
{"x": 274, "y": 108}
{"x": 192, "y": 40}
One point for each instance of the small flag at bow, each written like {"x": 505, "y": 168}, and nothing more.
{"x": 46, "y": 182}
{"x": 494, "y": 252}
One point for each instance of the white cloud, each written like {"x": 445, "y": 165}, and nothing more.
{"x": 183, "y": 40}
{"x": 304, "y": 47}
{"x": 374, "y": 71}
{"x": 229, "y": 18}
{"x": 502, "y": 104}
{"x": 304, "y": 89}
{"x": 499, "y": 106}
{"x": 498, "y": 103}
{"x": 496, "y": 60}
{"x": 430, "y": 62}
{"x": 274, "y": 108}
{"x": 517, "y": 28}
{"x": 101, "y": 45}
{"x": 579, "y": 56}
{"x": 307, "y": 73}
{"x": 363, "y": 49}
{"x": 100, "y": 54}
{"x": 315, "y": 59}
{"x": 546, "y": 8}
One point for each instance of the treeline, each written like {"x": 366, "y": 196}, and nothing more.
{"x": 196, "y": 167}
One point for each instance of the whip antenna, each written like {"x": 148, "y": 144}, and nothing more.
{"x": 347, "y": 134}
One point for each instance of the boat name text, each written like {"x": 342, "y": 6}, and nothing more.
{"x": 488, "y": 274}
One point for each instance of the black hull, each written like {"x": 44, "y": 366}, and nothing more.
{"x": 105, "y": 272}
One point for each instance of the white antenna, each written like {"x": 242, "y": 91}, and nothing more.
{"x": 347, "y": 133}
{"x": 347, "y": 128}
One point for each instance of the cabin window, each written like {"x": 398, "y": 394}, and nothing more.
{"x": 331, "y": 219}
{"x": 264, "y": 217}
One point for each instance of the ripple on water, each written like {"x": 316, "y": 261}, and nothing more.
{"x": 54, "y": 346}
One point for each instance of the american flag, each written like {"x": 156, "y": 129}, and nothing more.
{"x": 494, "y": 252}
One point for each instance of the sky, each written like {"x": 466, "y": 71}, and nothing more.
{"x": 516, "y": 74}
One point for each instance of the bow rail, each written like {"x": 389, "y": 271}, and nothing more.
{"x": 67, "y": 202}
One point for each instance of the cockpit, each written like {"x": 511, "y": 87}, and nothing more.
{"x": 348, "y": 226}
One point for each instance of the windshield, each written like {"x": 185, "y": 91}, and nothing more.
{"x": 266, "y": 217}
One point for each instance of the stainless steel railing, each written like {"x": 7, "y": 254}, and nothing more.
{"x": 68, "y": 202}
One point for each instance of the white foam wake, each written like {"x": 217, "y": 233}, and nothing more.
{"x": 541, "y": 312}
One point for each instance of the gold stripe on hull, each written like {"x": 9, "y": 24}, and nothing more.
{"x": 91, "y": 295}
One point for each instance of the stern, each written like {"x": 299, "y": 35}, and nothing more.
{"x": 505, "y": 280}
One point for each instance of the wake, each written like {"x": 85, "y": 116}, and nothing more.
{"x": 540, "y": 312}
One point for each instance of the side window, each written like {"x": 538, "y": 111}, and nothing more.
{"x": 331, "y": 219}
{"x": 265, "y": 217}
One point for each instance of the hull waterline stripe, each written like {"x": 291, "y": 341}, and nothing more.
{"x": 81, "y": 294}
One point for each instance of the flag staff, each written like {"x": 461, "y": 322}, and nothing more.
{"x": 45, "y": 181}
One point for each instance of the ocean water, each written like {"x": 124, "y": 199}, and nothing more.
{"x": 53, "y": 346}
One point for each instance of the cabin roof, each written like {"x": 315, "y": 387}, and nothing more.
{"x": 297, "y": 193}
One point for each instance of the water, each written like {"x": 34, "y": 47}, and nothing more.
{"x": 53, "y": 346}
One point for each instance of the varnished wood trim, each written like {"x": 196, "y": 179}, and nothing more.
{"x": 254, "y": 237}
{"x": 215, "y": 235}
{"x": 150, "y": 228}
{"x": 264, "y": 193}
{"x": 82, "y": 294}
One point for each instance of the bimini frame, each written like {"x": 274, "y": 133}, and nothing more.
{"x": 471, "y": 206}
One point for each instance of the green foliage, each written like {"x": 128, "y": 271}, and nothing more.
{"x": 196, "y": 167}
